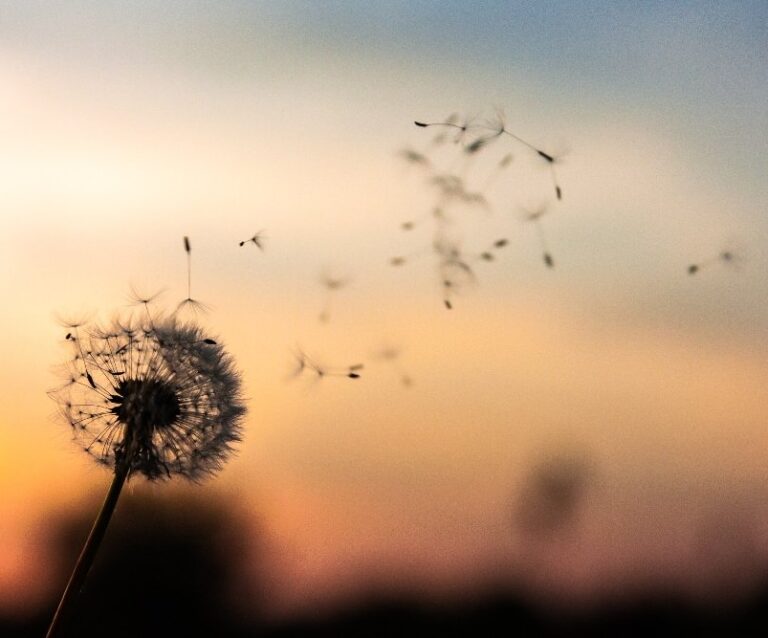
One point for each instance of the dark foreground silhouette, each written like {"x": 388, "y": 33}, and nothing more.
{"x": 169, "y": 568}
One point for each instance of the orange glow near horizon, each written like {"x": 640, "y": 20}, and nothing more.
{"x": 655, "y": 378}
{"x": 378, "y": 487}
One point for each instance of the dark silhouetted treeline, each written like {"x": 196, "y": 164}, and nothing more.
{"x": 170, "y": 568}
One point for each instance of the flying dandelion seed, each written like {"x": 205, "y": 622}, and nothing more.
{"x": 256, "y": 240}
{"x": 534, "y": 217}
{"x": 454, "y": 271}
{"x": 303, "y": 363}
{"x": 490, "y": 253}
{"x": 454, "y": 268}
{"x": 727, "y": 257}
{"x": 451, "y": 122}
{"x": 137, "y": 298}
{"x": 437, "y": 214}
{"x": 153, "y": 397}
{"x": 451, "y": 188}
{"x": 421, "y": 157}
{"x": 478, "y": 144}
{"x": 401, "y": 260}
{"x": 441, "y": 137}
{"x": 189, "y": 303}
{"x": 414, "y": 157}
{"x": 391, "y": 355}
{"x": 498, "y": 170}
{"x": 330, "y": 285}
{"x": 498, "y": 127}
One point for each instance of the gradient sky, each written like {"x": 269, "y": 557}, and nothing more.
{"x": 126, "y": 126}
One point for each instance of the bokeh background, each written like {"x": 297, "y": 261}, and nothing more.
{"x": 583, "y": 436}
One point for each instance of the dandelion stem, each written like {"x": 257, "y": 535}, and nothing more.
{"x": 84, "y": 562}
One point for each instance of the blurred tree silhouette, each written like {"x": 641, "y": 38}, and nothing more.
{"x": 168, "y": 568}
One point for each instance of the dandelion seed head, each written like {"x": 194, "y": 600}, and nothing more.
{"x": 139, "y": 297}
{"x": 160, "y": 395}
{"x": 192, "y": 307}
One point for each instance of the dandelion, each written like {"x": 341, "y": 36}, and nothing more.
{"x": 534, "y": 217}
{"x": 451, "y": 122}
{"x": 500, "y": 167}
{"x": 490, "y": 253}
{"x": 256, "y": 240}
{"x": 331, "y": 285}
{"x": 401, "y": 260}
{"x": 451, "y": 188}
{"x": 391, "y": 354}
{"x": 414, "y": 157}
{"x": 137, "y": 298}
{"x": 156, "y": 398}
{"x": 453, "y": 268}
{"x": 728, "y": 257}
{"x": 189, "y": 302}
{"x": 454, "y": 265}
{"x": 498, "y": 127}
{"x": 437, "y": 214}
{"x": 304, "y": 363}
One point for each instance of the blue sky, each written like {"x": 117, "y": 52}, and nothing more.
{"x": 700, "y": 64}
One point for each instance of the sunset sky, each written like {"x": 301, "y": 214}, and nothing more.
{"x": 127, "y": 126}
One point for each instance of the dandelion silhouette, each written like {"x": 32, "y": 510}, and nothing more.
{"x": 534, "y": 217}
{"x": 330, "y": 285}
{"x": 190, "y": 303}
{"x": 304, "y": 364}
{"x": 256, "y": 240}
{"x": 151, "y": 397}
{"x": 725, "y": 257}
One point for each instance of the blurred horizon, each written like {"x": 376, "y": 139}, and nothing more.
{"x": 615, "y": 402}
